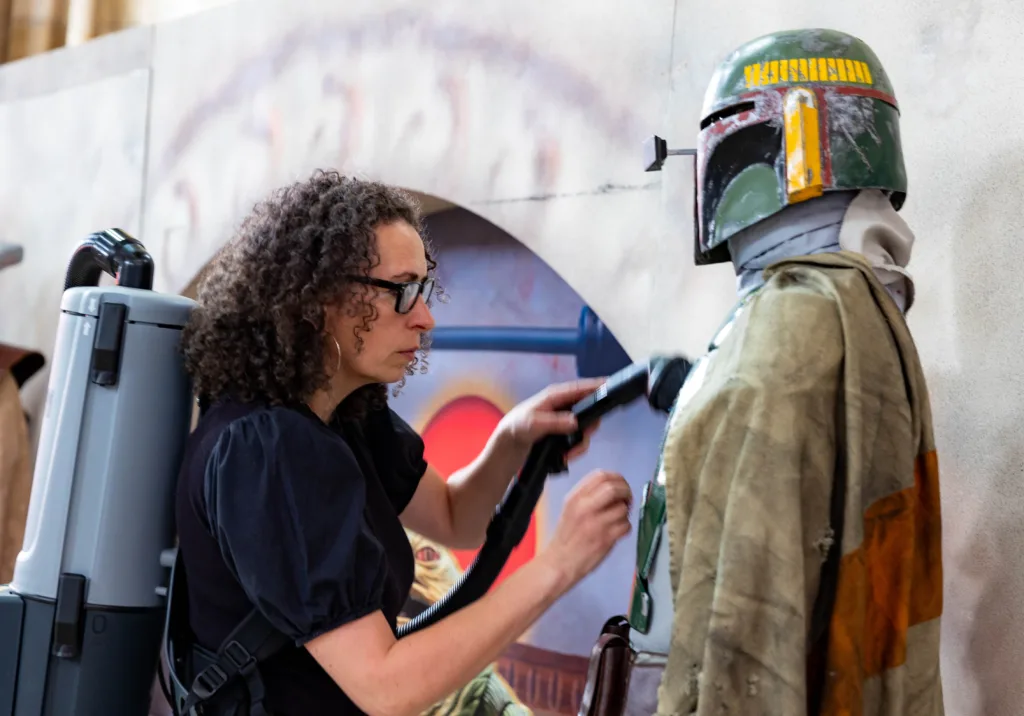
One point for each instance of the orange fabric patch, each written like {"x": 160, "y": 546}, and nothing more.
{"x": 890, "y": 583}
{"x": 926, "y": 595}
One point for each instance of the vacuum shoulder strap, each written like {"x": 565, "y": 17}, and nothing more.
{"x": 252, "y": 642}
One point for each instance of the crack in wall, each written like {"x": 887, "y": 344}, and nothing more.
{"x": 603, "y": 189}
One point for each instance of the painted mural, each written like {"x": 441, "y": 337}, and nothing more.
{"x": 437, "y": 571}
{"x": 494, "y": 283}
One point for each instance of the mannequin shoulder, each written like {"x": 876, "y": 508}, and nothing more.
{"x": 791, "y": 333}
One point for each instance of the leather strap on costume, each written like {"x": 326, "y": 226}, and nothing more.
{"x": 608, "y": 672}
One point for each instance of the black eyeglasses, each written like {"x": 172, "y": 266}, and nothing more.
{"x": 406, "y": 292}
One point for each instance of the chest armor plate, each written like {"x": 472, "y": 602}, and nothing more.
{"x": 650, "y": 612}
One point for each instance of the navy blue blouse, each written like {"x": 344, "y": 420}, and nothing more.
{"x": 278, "y": 510}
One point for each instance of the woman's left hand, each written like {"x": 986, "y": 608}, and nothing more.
{"x": 547, "y": 413}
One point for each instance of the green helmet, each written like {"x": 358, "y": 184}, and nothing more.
{"x": 787, "y": 117}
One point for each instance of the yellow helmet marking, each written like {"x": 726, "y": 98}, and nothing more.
{"x": 802, "y": 69}
{"x": 803, "y": 145}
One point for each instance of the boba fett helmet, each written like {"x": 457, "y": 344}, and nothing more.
{"x": 788, "y": 117}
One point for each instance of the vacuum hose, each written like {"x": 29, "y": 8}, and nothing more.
{"x": 114, "y": 252}
{"x": 659, "y": 379}
{"x": 504, "y": 533}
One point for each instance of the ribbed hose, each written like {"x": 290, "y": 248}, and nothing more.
{"x": 507, "y": 528}
{"x": 114, "y": 252}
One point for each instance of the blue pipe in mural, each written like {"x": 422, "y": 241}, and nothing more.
{"x": 597, "y": 351}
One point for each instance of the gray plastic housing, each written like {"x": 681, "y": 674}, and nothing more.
{"x": 118, "y": 411}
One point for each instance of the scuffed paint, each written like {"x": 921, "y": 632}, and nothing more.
{"x": 853, "y": 117}
{"x": 815, "y": 41}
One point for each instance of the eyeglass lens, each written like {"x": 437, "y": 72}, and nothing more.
{"x": 411, "y": 292}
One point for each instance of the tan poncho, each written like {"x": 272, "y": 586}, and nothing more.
{"x": 817, "y": 384}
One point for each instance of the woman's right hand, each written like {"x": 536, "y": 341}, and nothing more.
{"x": 387, "y": 677}
{"x": 595, "y": 517}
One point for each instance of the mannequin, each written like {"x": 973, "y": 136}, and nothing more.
{"x": 789, "y": 547}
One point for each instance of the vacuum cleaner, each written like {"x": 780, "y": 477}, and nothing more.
{"x": 82, "y": 620}
{"x": 91, "y": 601}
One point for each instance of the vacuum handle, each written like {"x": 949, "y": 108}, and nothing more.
{"x": 620, "y": 389}
{"x": 659, "y": 379}
{"x": 114, "y": 252}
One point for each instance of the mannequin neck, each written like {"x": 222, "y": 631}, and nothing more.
{"x": 810, "y": 227}
{"x": 862, "y": 221}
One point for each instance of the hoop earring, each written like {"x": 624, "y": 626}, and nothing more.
{"x": 338, "y": 347}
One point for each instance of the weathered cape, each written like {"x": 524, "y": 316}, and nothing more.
{"x": 816, "y": 392}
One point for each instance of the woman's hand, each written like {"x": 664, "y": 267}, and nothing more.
{"x": 547, "y": 413}
{"x": 456, "y": 513}
{"x": 388, "y": 677}
{"x": 594, "y": 518}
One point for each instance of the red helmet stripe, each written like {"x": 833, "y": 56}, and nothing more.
{"x": 865, "y": 92}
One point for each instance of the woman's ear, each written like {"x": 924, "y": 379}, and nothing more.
{"x": 333, "y": 316}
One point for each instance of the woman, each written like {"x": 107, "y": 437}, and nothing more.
{"x": 299, "y": 480}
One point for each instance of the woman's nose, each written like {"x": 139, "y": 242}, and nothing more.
{"x": 421, "y": 316}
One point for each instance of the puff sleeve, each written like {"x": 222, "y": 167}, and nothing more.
{"x": 285, "y": 501}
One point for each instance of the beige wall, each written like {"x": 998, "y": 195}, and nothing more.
{"x": 532, "y": 114}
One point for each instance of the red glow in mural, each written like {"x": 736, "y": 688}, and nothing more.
{"x": 453, "y": 437}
